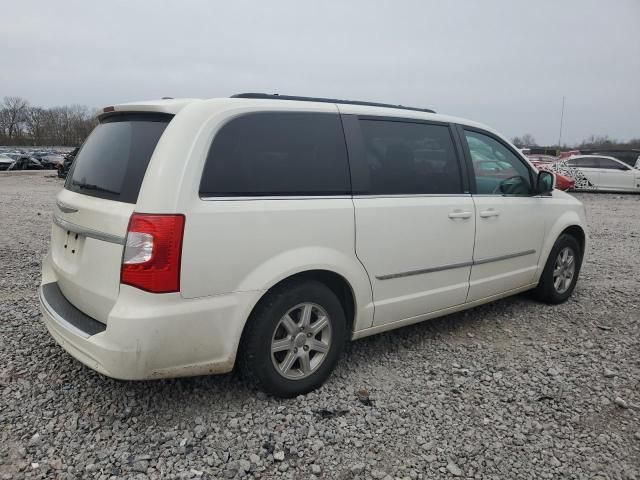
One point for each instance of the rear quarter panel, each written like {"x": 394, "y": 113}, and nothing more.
{"x": 242, "y": 245}
{"x": 250, "y": 245}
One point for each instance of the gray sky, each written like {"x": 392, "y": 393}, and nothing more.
{"x": 503, "y": 63}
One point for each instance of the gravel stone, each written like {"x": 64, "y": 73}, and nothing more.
{"x": 620, "y": 402}
{"x": 512, "y": 389}
{"x": 454, "y": 469}
{"x": 245, "y": 465}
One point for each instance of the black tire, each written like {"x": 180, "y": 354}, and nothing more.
{"x": 255, "y": 358}
{"x": 546, "y": 290}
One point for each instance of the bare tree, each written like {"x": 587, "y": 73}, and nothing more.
{"x": 36, "y": 124}
{"x": 21, "y": 124}
{"x": 526, "y": 140}
{"x": 15, "y": 109}
{"x": 598, "y": 141}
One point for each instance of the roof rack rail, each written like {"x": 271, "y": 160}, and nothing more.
{"x": 276, "y": 96}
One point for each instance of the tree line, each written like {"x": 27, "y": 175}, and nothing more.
{"x": 593, "y": 141}
{"x": 23, "y": 124}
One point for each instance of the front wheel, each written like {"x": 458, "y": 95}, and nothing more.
{"x": 293, "y": 339}
{"x": 561, "y": 271}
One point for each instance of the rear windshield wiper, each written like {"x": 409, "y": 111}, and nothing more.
{"x": 92, "y": 186}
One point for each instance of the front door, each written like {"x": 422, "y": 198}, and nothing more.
{"x": 414, "y": 220}
{"x": 615, "y": 175}
{"x": 509, "y": 220}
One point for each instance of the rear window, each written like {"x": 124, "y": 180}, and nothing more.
{"x": 113, "y": 160}
{"x": 278, "y": 153}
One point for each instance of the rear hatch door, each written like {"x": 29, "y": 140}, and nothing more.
{"x": 93, "y": 210}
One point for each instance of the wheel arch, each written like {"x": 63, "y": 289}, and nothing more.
{"x": 577, "y": 232}
{"x": 572, "y": 223}
{"x": 336, "y": 282}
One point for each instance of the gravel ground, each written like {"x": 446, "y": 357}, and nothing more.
{"x": 514, "y": 389}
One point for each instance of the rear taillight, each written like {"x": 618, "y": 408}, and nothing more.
{"x": 152, "y": 252}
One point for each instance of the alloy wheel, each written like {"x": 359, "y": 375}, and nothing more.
{"x": 301, "y": 341}
{"x": 564, "y": 270}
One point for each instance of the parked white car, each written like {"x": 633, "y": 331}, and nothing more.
{"x": 5, "y": 162}
{"x": 266, "y": 231}
{"x": 597, "y": 172}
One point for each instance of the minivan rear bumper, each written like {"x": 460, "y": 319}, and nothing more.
{"x": 151, "y": 336}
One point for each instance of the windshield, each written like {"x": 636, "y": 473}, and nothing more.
{"x": 113, "y": 160}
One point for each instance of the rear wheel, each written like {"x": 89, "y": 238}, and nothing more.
{"x": 561, "y": 271}
{"x": 293, "y": 339}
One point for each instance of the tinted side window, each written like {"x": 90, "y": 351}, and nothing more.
{"x": 610, "y": 164}
{"x": 497, "y": 169}
{"x": 410, "y": 158}
{"x": 586, "y": 162}
{"x": 284, "y": 153}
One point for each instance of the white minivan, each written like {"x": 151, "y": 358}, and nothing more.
{"x": 265, "y": 231}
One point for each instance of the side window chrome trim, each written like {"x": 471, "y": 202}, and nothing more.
{"x": 414, "y": 195}
{"x": 335, "y": 197}
{"x": 274, "y": 197}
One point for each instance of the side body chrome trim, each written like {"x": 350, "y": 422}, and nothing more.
{"x": 454, "y": 265}
{"x": 88, "y": 232}
{"x": 504, "y": 257}
{"x": 424, "y": 270}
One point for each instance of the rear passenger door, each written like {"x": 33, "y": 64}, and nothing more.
{"x": 414, "y": 216}
{"x": 510, "y": 222}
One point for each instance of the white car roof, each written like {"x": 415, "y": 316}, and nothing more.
{"x": 596, "y": 156}
{"x": 174, "y": 105}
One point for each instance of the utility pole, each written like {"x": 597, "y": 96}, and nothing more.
{"x": 561, "y": 119}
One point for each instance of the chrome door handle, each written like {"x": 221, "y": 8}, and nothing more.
{"x": 489, "y": 213}
{"x": 459, "y": 214}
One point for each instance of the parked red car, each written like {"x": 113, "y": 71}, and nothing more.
{"x": 562, "y": 182}
{"x": 568, "y": 153}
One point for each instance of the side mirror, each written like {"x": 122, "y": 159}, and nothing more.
{"x": 545, "y": 182}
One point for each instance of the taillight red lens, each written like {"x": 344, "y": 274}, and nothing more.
{"x": 152, "y": 252}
